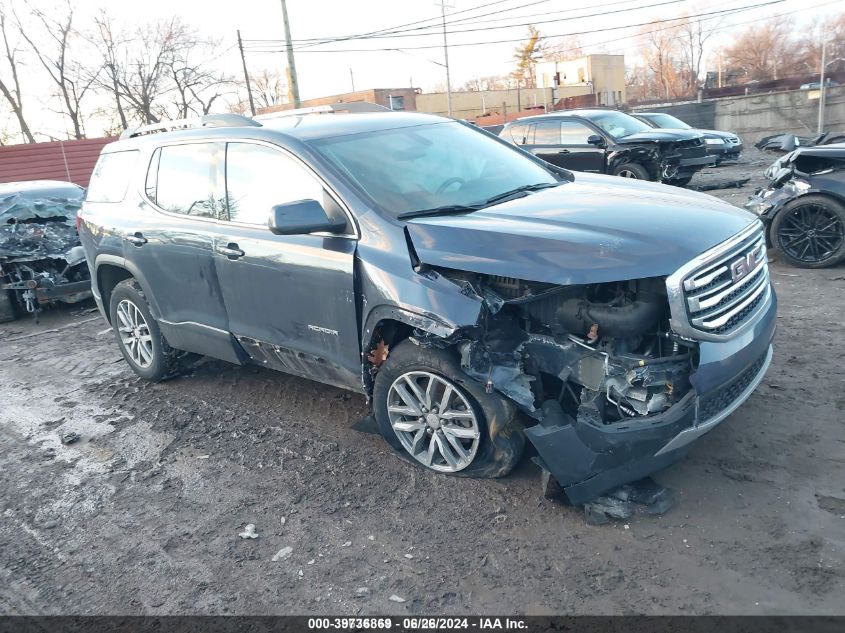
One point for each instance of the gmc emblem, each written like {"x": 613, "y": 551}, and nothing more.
{"x": 744, "y": 265}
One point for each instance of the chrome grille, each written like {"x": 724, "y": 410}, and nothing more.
{"x": 721, "y": 295}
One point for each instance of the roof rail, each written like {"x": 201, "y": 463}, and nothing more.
{"x": 334, "y": 108}
{"x": 208, "y": 120}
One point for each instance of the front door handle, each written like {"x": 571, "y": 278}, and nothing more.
{"x": 563, "y": 151}
{"x": 231, "y": 251}
{"x": 137, "y": 239}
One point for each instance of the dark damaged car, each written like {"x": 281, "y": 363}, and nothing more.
{"x": 611, "y": 142}
{"x": 803, "y": 208}
{"x": 41, "y": 260}
{"x": 478, "y": 296}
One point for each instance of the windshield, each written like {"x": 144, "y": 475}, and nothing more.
{"x": 428, "y": 166}
{"x": 618, "y": 124}
{"x": 667, "y": 121}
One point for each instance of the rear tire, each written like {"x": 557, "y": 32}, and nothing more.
{"x": 480, "y": 435}
{"x": 138, "y": 335}
{"x": 809, "y": 232}
{"x": 632, "y": 170}
{"x": 7, "y": 306}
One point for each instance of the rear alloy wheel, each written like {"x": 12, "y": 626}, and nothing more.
{"x": 434, "y": 422}
{"x": 809, "y": 232}
{"x": 632, "y": 170}
{"x": 135, "y": 333}
{"x": 138, "y": 335}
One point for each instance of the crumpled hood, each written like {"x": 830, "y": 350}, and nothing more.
{"x": 595, "y": 229}
{"x": 659, "y": 135}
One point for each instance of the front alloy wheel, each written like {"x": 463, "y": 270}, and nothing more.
{"x": 433, "y": 421}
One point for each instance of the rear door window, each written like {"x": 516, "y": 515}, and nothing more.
{"x": 574, "y": 133}
{"x": 111, "y": 177}
{"x": 185, "y": 179}
{"x": 547, "y": 133}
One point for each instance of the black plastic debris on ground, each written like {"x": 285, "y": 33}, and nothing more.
{"x": 644, "y": 496}
{"x": 720, "y": 184}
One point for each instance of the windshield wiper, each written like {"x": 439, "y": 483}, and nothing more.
{"x": 514, "y": 193}
{"x": 449, "y": 209}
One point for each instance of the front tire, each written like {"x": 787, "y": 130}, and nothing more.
{"x": 809, "y": 232}
{"x": 632, "y": 170}
{"x": 436, "y": 417}
{"x": 138, "y": 335}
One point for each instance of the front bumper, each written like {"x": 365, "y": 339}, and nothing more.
{"x": 588, "y": 461}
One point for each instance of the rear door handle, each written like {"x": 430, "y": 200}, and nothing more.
{"x": 563, "y": 151}
{"x": 137, "y": 239}
{"x": 231, "y": 251}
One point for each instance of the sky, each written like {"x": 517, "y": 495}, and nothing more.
{"x": 326, "y": 73}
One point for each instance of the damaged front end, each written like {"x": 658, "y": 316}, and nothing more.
{"x": 41, "y": 259}
{"x": 592, "y": 364}
{"x": 617, "y": 378}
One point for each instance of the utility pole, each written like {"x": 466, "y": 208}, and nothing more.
{"x": 442, "y": 4}
{"x": 352, "y": 79}
{"x": 821, "y": 83}
{"x": 246, "y": 75}
{"x": 293, "y": 83}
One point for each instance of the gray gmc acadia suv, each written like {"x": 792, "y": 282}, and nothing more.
{"x": 476, "y": 294}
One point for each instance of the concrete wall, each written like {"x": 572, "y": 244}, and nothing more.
{"x": 759, "y": 115}
{"x": 469, "y": 105}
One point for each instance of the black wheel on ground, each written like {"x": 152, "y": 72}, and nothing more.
{"x": 632, "y": 170}
{"x": 679, "y": 182}
{"x": 138, "y": 335}
{"x": 436, "y": 417}
{"x": 809, "y": 232}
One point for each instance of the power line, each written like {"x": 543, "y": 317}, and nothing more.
{"x": 720, "y": 12}
{"x": 408, "y": 33}
{"x": 318, "y": 41}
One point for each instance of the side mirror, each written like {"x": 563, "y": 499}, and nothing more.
{"x": 595, "y": 139}
{"x": 301, "y": 217}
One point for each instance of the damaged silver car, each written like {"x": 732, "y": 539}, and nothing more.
{"x": 41, "y": 259}
{"x": 479, "y": 296}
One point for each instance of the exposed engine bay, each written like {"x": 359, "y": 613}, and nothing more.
{"x": 41, "y": 259}
{"x": 604, "y": 352}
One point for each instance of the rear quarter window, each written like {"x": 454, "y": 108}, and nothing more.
{"x": 111, "y": 176}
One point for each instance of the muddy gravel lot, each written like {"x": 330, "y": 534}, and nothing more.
{"x": 142, "y": 513}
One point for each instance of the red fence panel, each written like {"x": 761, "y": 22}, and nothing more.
{"x": 72, "y": 161}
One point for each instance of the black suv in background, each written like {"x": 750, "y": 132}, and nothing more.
{"x": 610, "y": 142}
{"x": 722, "y": 146}
{"x": 476, "y": 294}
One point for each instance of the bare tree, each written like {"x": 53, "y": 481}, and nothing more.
{"x": 527, "y": 55}
{"x": 11, "y": 89}
{"x": 491, "y": 82}
{"x": 54, "y": 50}
{"x": 764, "y": 51}
{"x": 110, "y": 43}
{"x": 563, "y": 49}
{"x": 269, "y": 88}
{"x": 693, "y": 36}
{"x": 660, "y": 51}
